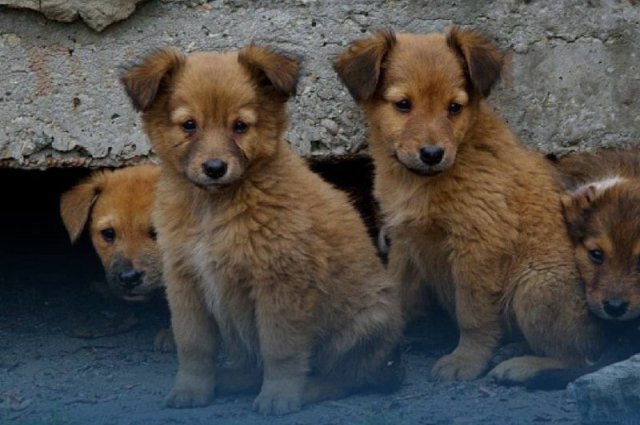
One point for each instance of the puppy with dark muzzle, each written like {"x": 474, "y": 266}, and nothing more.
{"x": 473, "y": 216}
{"x": 261, "y": 256}
{"x": 602, "y": 213}
{"x": 116, "y": 206}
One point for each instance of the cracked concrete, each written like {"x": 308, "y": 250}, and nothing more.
{"x": 575, "y": 74}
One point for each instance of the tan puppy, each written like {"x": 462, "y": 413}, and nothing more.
{"x": 474, "y": 218}
{"x": 603, "y": 217}
{"x": 602, "y": 212}
{"x": 117, "y": 206}
{"x": 260, "y": 254}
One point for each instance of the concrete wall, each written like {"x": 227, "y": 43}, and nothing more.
{"x": 576, "y": 70}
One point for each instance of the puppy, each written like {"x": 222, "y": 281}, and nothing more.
{"x": 602, "y": 213}
{"x": 117, "y": 206}
{"x": 474, "y": 218}
{"x": 260, "y": 255}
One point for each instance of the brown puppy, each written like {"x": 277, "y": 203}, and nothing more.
{"x": 117, "y": 205}
{"x": 474, "y": 218}
{"x": 260, "y": 254}
{"x": 602, "y": 212}
{"x": 603, "y": 218}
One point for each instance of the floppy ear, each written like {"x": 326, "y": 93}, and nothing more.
{"x": 484, "y": 62}
{"x": 76, "y": 204}
{"x": 146, "y": 80}
{"x": 272, "y": 70}
{"x": 577, "y": 204}
{"x": 359, "y": 67}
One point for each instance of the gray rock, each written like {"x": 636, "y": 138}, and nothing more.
{"x": 98, "y": 14}
{"x": 611, "y": 395}
{"x": 575, "y": 71}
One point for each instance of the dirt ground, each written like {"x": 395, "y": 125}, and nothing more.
{"x": 51, "y": 373}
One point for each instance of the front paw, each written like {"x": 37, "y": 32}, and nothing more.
{"x": 276, "y": 399}
{"x": 164, "y": 341}
{"x": 458, "y": 367}
{"x": 193, "y": 391}
{"x": 517, "y": 370}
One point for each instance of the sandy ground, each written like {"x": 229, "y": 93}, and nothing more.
{"x": 50, "y": 375}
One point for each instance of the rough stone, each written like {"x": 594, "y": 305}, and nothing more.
{"x": 575, "y": 71}
{"x": 611, "y": 395}
{"x": 98, "y": 14}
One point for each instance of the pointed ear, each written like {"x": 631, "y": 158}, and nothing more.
{"x": 484, "y": 62}
{"x": 144, "y": 81}
{"x": 359, "y": 67}
{"x": 76, "y": 204}
{"x": 577, "y": 204}
{"x": 272, "y": 70}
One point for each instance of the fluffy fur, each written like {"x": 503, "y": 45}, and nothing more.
{"x": 474, "y": 218}
{"x": 261, "y": 255}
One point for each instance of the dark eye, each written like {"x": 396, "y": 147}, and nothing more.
{"x": 454, "y": 109}
{"x": 596, "y": 256}
{"x": 153, "y": 234}
{"x": 240, "y": 127}
{"x": 189, "y": 126}
{"x": 403, "y": 106}
{"x": 108, "y": 234}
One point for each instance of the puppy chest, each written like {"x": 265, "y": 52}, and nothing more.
{"x": 431, "y": 255}
{"x": 228, "y": 298}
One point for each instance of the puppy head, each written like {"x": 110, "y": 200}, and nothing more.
{"x": 603, "y": 219}
{"x": 212, "y": 116}
{"x": 420, "y": 92}
{"x": 117, "y": 207}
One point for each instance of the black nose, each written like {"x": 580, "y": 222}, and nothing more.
{"x": 214, "y": 168}
{"x": 431, "y": 155}
{"x": 615, "y": 307}
{"x": 130, "y": 278}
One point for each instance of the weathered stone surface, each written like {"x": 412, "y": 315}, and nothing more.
{"x": 575, "y": 75}
{"x": 98, "y": 14}
{"x": 611, "y": 395}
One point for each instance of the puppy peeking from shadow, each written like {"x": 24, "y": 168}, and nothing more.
{"x": 116, "y": 208}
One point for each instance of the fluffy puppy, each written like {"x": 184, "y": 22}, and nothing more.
{"x": 117, "y": 206}
{"x": 260, "y": 254}
{"x": 603, "y": 218}
{"x": 474, "y": 218}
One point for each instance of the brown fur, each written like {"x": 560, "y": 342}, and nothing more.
{"x": 268, "y": 259}
{"x": 603, "y": 214}
{"x": 480, "y": 232}
{"x": 578, "y": 168}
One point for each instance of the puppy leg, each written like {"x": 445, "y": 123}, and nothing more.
{"x": 519, "y": 369}
{"x": 284, "y": 326}
{"x": 478, "y": 317}
{"x": 413, "y": 289}
{"x": 164, "y": 341}
{"x": 196, "y": 342}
